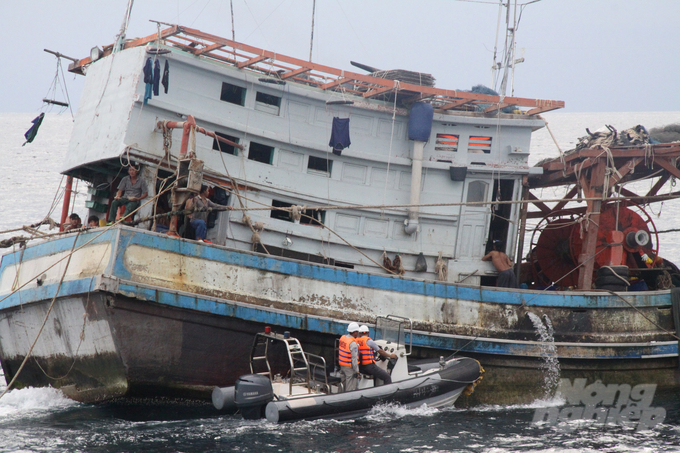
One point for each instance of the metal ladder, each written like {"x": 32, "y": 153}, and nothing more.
{"x": 260, "y": 342}
{"x": 296, "y": 355}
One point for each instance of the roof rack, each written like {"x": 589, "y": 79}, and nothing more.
{"x": 285, "y": 68}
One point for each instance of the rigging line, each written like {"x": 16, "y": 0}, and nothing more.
{"x": 201, "y": 12}
{"x": 65, "y": 88}
{"x": 236, "y": 191}
{"x": 470, "y": 203}
{"x": 79, "y": 248}
{"x": 49, "y": 310}
{"x": 351, "y": 26}
{"x": 258, "y": 28}
{"x": 58, "y": 194}
{"x": 389, "y": 156}
{"x": 642, "y": 314}
{"x": 269, "y": 208}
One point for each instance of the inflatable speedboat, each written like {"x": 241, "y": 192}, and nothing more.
{"x": 305, "y": 389}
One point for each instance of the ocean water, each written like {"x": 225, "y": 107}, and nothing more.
{"x": 40, "y": 420}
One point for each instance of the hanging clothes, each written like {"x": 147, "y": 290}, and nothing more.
{"x": 166, "y": 77}
{"x": 148, "y": 79}
{"x": 33, "y": 131}
{"x": 339, "y": 135}
{"x": 156, "y": 77}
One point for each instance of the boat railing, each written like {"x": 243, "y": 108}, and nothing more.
{"x": 318, "y": 374}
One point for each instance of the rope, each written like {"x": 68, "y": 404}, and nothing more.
{"x": 80, "y": 230}
{"x": 389, "y": 155}
{"x": 49, "y": 310}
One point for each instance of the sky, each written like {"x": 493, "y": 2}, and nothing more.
{"x": 596, "y": 55}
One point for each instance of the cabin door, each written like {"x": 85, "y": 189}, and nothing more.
{"x": 501, "y": 214}
{"x": 474, "y": 220}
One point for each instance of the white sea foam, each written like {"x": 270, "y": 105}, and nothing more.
{"x": 31, "y": 401}
{"x": 553, "y": 401}
{"x": 383, "y": 412}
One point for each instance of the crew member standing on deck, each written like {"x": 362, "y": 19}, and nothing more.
{"x": 348, "y": 356}
{"x": 367, "y": 357}
{"x": 506, "y": 276}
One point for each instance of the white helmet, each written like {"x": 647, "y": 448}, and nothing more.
{"x": 363, "y": 328}
{"x": 353, "y": 327}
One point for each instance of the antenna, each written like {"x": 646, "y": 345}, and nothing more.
{"x": 508, "y": 61}
{"x": 311, "y": 41}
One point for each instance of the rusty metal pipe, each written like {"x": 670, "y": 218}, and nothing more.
{"x": 180, "y": 125}
{"x": 67, "y": 202}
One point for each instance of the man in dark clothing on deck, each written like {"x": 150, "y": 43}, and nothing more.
{"x": 506, "y": 276}
{"x": 199, "y": 216}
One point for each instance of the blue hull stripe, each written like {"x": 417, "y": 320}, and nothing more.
{"x": 295, "y": 321}
{"x": 383, "y": 282}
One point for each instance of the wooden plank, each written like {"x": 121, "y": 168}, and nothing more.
{"x": 454, "y": 104}
{"x": 623, "y": 171}
{"x": 559, "y": 176}
{"x": 295, "y": 72}
{"x": 567, "y": 199}
{"x": 207, "y": 49}
{"x": 496, "y": 107}
{"x": 252, "y": 61}
{"x": 539, "y": 204}
{"x": 379, "y": 91}
{"x": 335, "y": 83}
{"x": 666, "y": 165}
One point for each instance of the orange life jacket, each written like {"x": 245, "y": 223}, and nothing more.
{"x": 344, "y": 353}
{"x": 366, "y": 356}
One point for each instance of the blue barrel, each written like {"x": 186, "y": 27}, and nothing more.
{"x": 420, "y": 122}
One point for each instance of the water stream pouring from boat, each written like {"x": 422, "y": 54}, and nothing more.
{"x": 550, "y": 365}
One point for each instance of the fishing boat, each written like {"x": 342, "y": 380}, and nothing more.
{"x": 306, "y": 388}
{"x": 342, "y": 196}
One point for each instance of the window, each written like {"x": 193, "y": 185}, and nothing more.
{"x": 319, "y": 165}
{"x": 446, "y": 142}
{"x": 225, "y": 147}
{"x": 309, "y": 216}
{"x": 261, "y": 153}
{"x": 479, "y": 144}
{"x": 267, "y": 103}
{"x": 232, "y": 93}
{"x": 477, "y": 191}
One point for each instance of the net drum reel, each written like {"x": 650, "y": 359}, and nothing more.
{"x": 627, "y": 239}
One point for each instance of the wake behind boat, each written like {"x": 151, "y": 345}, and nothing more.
{"x": 306, "y": 388}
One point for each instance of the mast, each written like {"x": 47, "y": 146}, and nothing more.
{"x": 120, "y": 37}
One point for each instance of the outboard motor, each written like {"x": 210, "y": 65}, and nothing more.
{"x": 252, "y": 393}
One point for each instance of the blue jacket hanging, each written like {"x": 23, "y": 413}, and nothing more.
{"x": 166, "y": 77}
{"x": 148, "y": 79}
{"x": 156, "y": 77}
{"x": 339, "y": 135}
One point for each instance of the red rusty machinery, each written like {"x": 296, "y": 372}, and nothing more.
{"x": 555, "y": 253}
